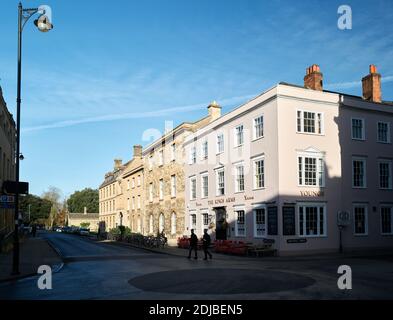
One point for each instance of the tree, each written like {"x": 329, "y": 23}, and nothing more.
{"x": 54, "y": 195}
{"x": 39, "y": 208}
{"x": 80, "y": 199}
{"x": 85, "y": 225}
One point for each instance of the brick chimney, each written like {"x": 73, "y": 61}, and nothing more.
{"x": 314, "y": 78}
{"x": 372, "y": 85}
{"x": 118, "y": 163}
{"x": 214, "y": 110}
{"x": 138, "y": 151}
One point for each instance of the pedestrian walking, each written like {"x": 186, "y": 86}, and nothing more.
{"x": 34, "y": 230}
{"x": 206, "y": 244}
{"x": 193, "y": 245}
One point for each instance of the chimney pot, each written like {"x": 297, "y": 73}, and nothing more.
{"x": 372, "y": 85}
{"x": 314, "y": 78}
{"x": 118, "y": 163}
{"x": 138, "y": 151}
{"x": 214, "y": 110}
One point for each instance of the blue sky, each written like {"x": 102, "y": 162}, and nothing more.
{"x": 112, "y": 69}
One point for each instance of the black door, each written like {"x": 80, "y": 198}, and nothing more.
{"x": 221, "y": 224}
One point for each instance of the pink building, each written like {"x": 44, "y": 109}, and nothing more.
{"x": 286, "y": 164}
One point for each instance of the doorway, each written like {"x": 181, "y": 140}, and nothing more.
{"x": 221, "y": 223}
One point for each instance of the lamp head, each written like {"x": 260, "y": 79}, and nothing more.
{"x": 43, "y": 23}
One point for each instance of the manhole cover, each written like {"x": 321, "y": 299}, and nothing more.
{"x": 220, "y": 281}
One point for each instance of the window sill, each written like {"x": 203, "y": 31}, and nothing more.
{"x": 384, "y": 142}
{"x": 312, "y": 236}
{"x": 385, "y": 189}
{"x": 256, "y": 139}
{"x": 357, "y": 139}
{"x": 238, "y": 192}
{"x": 359, "y": 188}
{"x": 258, "y": 189}
{"x": 360, "y": 235}
{"x": 311, "y": 133}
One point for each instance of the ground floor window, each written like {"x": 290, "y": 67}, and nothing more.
{"x": 259, "y": 222}
{"x": 151, "y": 224}
{"x": 205, "y": 221}
{"x": 360, "y": 219}
{"x": 312, "y": 220}
{"x": 173, "y": 223}
{"x": 193, "y": 221}
{"x": 139, "y": 225}
{"x": 240, "y": 223}
{"x": 161, "y": 223}
{"x": 387, "y": 220}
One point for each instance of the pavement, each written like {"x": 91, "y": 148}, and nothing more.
{"x": 102, "y": 270}
{"x": 34, "y": 252}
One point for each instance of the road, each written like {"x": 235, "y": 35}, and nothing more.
{"x": 95, "y": 270}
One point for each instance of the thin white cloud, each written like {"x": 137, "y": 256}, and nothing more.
{"x": 134, "y": 115}
{"x": 353, "y": 84}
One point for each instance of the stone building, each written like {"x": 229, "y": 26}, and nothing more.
{"x": 305, "y": 168}
{"x": 111, "y": 206}
{"x": 164, "y": 179}
{"x": 79, "y": 219}
{"x": 7, "y": 163}
{"x": 133, "y": 191}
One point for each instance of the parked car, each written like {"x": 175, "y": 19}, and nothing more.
{"x": 59, "y": 229}
{"x": 74, "y": 230}
{"x": 84, "y": 232}
{"x": 66, "y": 229}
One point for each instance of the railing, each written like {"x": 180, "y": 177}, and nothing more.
{"x": 141, "y": 241}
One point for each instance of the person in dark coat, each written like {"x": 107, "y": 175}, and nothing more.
{"x": 206, "y": 243}
{"x": 193, "y": 245}
{"x": 34, "y": 230}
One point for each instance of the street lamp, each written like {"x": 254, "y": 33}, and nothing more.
{"x": 43, "y": 24}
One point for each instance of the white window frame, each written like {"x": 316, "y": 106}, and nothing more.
{"x": 161, "y": 222}
{"x": 391, "y": 219}
{"x": 205, "y": 151}
{"x": 254, "y": 127}
{"x": 311, "y": 204}
{"x": 219, "y": 170}
{"x": 173, "y": 186}
{"x": 320, "y": 163}
{"x": 161, "y": 189}
{"x": 133, "y": 183}
{"x": 237, "y": 184}
{"x": 363, "y": 138}
{"x": 191, "y": 221}
{"x": 192, "y": 190}
{"x": 151, "y": 162}
{"x": 151, "y": 224}
{"x": 237, "y": 210}
{"x": 138, "y": 201}
{"x": 128, "y": 184}
{"x": 161, "y": 157}
{"x": 203, "y": 195}
{"x": 389, "y": 162}
{"x": 318, "y": 125}
{"x": 254, "y": 176}
{"x": 221, "y": 134}
{"x": 364, "y": 160}
{"x": 238, "y": 135}
{"x": 193, "y": 155}
{"x": 128, "y": 204}
{"x": 139, "y": 181}
{"x": 254, "y": 212}
{"x": 173, "y": 152}
{"x": 203, "y": 225}
{"x": 388, "y": 132}
{"x": 365, "y": 206}
{"x": 133, "y": 203}
{"x": 151, "y": 193}
{"x": 173, "y": 223}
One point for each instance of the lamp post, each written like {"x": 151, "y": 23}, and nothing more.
{"x": 43, "y": 24}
